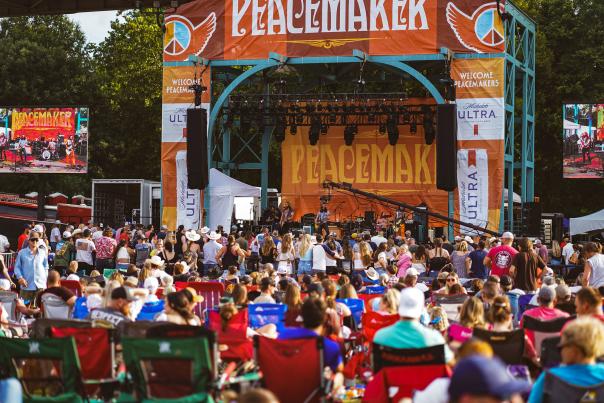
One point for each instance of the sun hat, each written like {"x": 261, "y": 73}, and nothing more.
{"x": 412, "y": 271}
{"x": 468, "y": 239}
{"x": 73, "y": 277}
{"x": 204, "y": 230}
{"x": 193, "y": 292}
{"x": 156, "y": 261}
{"x": 214, "y": 236}
{"x": 372, "y": 274}
{"x": 411, "y": 303}
{"x": 76, "y": 232}
{"x": 354, "y": 235}
{"x": 131, "y": 281}
{"x": 482, "y": 376}
{"x": 457, "y": 238}
{"x": 192, "y": 236}
{"x": 57, "y": 221}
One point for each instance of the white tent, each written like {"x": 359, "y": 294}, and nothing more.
{"x": 223, "y": 189}
{"x": 516, "y": 197}
{"x": 588, "y": 223}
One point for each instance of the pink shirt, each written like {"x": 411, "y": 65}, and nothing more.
{"x": 544, "y": 314}
{"x": 501, "y": 259}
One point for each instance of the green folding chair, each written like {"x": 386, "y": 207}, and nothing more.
{"x": 108, "y": 272}
{"x": 168, "y": 370}
{"x": 48, "y": 369}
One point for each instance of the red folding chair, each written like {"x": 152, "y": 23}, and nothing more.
{"x": 73, "y": 286}
{"x": 373, "y": 321}
{"x": 367, "y": 298}
{"x": 234, "y": 337}
{"x": 211, "y": 292}
{"x": 403, "y": 381}
{"x": 96, "y": 350}
{"x": 302, "y": 361}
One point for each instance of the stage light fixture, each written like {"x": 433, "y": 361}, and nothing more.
{"x": 392, "y": 128}
{"x": 314, "y": 131}
{"x": 413, "y": 127}
{"x": 279, "y": 130}
{"x": 382, "y": 128}
{"x": 324, "y": 129}
{"x": 293, "y": 129}
{"x": 406, "y": 118}
{"x": 428, "y": 122}
{"x": 349, "y": 132}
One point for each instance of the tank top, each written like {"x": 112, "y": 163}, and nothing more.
{"x": 229, "y": 258}
{"x": 596, "y": 279}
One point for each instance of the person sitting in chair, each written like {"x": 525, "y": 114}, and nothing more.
{"x": 581, "y": 343}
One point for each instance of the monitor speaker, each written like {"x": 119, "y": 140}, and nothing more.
{"x": 446, "y": 147}
{"x": 197, "y": 148}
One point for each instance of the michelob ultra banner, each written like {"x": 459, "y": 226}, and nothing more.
{"x": 480, "y": 139}
{"x": 405, "y": 172}
{"x": 188, "y": 201}
{"x": 473, "y": 187}
{"x": 251, "y": 29}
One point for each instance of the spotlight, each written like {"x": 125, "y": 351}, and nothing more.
{"x": 324, "y": 128}
{"x": 428, "y": 122}
{"x": 293, "y": 129}
{"x": 406, "y": 118}
{"x": 392, "y": 128}
{"x": 349, "y": 132}
{"x": 382, "y": 128}
{"x": 413, "y": 127}
{"x": 314, "y": 131}
{"x": 279, "y": 132}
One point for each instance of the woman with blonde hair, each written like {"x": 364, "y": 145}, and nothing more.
{"x": 285, "y": 256}
{"x": 145, "y": 272}
{"x": 366, "y": 255}
{"x": 305, "y": 255}
{"x": 348, "y": 291}
{"x": 555, "y": 254}
{"x": 460, "y": 260}
{"x": 471, "y": 315}
{"x": 388, "y": 303}
{"x": 293, "y": 301}
{"x": 267, "y": 252}
{"x": 452, "y": 278}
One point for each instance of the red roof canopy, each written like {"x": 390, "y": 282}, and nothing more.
{"x": 14, "y": 8}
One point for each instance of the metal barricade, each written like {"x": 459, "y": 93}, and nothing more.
{"x": 9, "y": 260}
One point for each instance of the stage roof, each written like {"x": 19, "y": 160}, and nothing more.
{"x": 14, "y": 8}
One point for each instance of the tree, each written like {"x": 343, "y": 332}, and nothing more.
{"x": 128, "y": 67}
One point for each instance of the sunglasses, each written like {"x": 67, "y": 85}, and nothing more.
{"x": 450, "y": 279}
{"x": 34, "y": 239}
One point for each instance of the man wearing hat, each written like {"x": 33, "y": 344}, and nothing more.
{"x": 210, "y": 249}
{"x": 31, "y": 268}
{"x": 143, "y": 249}
{"x": 541, "y": 250}
{"x": 117, "y": 311}
{"x": 408, "y": 332}
{"x": 499, "y": 258}
{"x": 55, "y": 235}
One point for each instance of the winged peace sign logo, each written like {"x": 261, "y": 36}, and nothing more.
{"x": 480, "y": 32}
{"x": 182, "y": 38}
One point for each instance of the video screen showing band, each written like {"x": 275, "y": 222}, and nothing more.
{"x": 583, "y": 141}
{"x": 44, "y": 140}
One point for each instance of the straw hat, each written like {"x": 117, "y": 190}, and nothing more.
{"x": 192, "y": 236}
{"x": 214, "y": 236}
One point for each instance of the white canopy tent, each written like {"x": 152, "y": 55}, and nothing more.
{"x": 588, "y": 223}
{"x": 223, "y": 189}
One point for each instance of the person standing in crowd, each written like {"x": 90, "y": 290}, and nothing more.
{"x": 84, "y": 248}
{"x": 306, "y": 256}
{"x": 285, "y": 255}
{"x": 477, "y": 268}
{"x": 567, "y": 250}
{"x": 593, "y": 273}
{"x": 555, "y": 255}
{"x": 105, "y": 249}
{"x": 582, "y": 342}
{"x": 64, "y": 253}
{"x": 499, "y": 258}
{"x": 142, "y": 250}
{"x": 525, "y": 266}
{"x": 541, "y": 250}
{"x": 55, "y": 235}
{"x": 460, "y": 260}
{"x": 408, "y": 332}
{"x": 22, "y": 239}
{"x": 229, "y": 255}
{"x": 31, "y": 269}
{"x": 287, "y": 217}
{"x": 210, "y": 250}
{"x": 4, "y": 244}
{"x": 319, "y": 256}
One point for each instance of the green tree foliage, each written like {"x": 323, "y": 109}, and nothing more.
{"x": 570, "y": 68}
{"x": 126, "y": 137}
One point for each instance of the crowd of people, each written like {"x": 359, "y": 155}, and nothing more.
{"x": 136, "y": 273}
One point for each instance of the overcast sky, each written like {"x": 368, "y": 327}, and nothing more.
{"x": 96, "y": 26}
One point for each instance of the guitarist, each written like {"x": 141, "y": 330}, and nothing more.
{"x": 3, "y": 146}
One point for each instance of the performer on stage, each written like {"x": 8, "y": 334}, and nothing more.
{"x": 287, "y": 217}
{"x": 22, "y": 145}
{"x": 3, "y": 146}
{"x": 70, "y": 153}
{"x": 321, "y": 220}
{"x": 382, "y": 222}
{"x": 585, "y": 146}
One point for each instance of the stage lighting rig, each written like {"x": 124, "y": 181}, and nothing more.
{"x": 315, "y": 130}
{"x": 349, "y": 132}
{"x": 392, "y": 128}
{"x": 413, "y": 126}
{"x": 429, "y": 130}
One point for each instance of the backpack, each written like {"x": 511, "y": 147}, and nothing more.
{"x": 62, "y": 248}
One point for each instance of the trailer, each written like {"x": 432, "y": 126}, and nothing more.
{"x": 119, "y": 201}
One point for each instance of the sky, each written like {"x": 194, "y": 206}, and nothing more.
{"x": 96, "y": 25}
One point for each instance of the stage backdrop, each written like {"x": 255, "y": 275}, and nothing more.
{"x": 407, "y": 171}
{"x": 43, "y": 140}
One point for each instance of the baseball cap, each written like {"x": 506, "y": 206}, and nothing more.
{"x": 507, "y": 235}
{"x": 537, "y": 242}
{"x": 468, "y": 239}
{"x": 457, "y": 238}
{"x": 66, "y": 234}
{"x": 38, "y": 228}
{"x": 122, "y": 293}
{"x": 34, "y": 235}
{"x": 563, "y": 291}
{"x": 412, "y": 271}
{"x": 482, "y": 376}
{"x": 411, "y": 303}
{"x": 547, "y": 294}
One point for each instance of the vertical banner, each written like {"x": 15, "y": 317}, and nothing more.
{"x": 480, "y": 140}
{"x": 177, "y": 97}
{"x": 188, "y": 201}
{"x": 473, "y": 187}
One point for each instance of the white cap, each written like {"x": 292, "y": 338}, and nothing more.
{"x": 4, "y": 284}
{"x": 507, "y": 235}
{"x": 66, "y": 234}
{"x": 94, "y": 301}
{"x": 537, "y": 242}
{"x": 468, "y": 238}
{"x": 38, "y": 228}
{"x": 457, "y": 238}
{"x": 73, "y": 276}
{"x": 57, "y": 221}
{"x": 412, "y": 271}
{"x": 411, "y": 303}
{"x": 151, "y": 284}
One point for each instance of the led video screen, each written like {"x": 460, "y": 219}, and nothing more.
{"x": 583, "y": 141}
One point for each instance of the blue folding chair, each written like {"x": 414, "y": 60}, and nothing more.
{"x": 263, "y": 314}
{"x": 523, "y": 303}
{"x": 375, "y": 289}
{"x": 356, "y": 306}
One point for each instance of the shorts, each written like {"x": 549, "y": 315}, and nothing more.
{"x": 315, "y": 272}
{"x": 304, "y": 267}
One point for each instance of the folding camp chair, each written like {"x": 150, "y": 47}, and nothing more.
{"x": 558, "y": 390}
{"x": 508, "y": 346}
{"x": 356, "y": 306}
{"x": 107, "y": 273}
{"x": 451, "y": 304}
{"x": 374, "y": 289}
{"x": 138, "y": 329}
{"x": 150, "y": 310}
{"x": 383, "y": 356}
{"x": 169, "y": 369}
{"x": 73, "y": 285}
{"x": 211, "y": 293}
{"x": 8, "y": 299}
{"x": 238, "y": 346}
{"x": 54, "y": 307}
{"x": 302, "y": 359}
{"x": 373, "y": 321}
{"x": 539, "y": 330}
{"x": 42, "y": 328}
{"x": 550, "y": 353}
{"x": 48, "y": 369}
{"x": 523, "y": 304}
{"x": 367, "y": 300}
{"x": 263, "y": 314}
{"x": 96, "y": 351}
